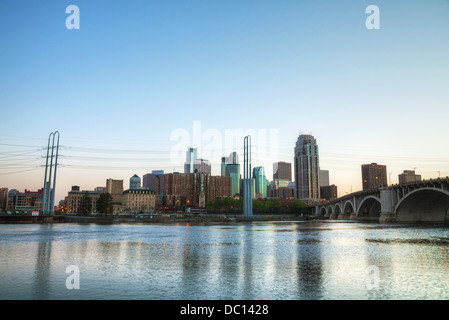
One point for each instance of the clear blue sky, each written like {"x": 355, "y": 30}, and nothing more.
{"x": 137, "y": 71}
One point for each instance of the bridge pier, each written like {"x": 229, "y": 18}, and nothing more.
{"x": 386, "y": 205}
{"x": 343, "y": 216}
{"x": 387, "y": 217}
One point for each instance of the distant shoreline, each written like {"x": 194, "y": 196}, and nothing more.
{"x": 146, "y": 218}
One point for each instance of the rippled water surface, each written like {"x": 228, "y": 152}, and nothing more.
{"x": 253, "y": 261}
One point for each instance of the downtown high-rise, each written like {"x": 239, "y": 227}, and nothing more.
{"x": 202, "y": 166}
{"x": 374, "y": 176}
{"x": 260, "y": 182}
{"x": 307, "y": 168}
{"x": 282, "y": 170}
{"x": 191, "y": 157}
{"x": 230, "y": 167}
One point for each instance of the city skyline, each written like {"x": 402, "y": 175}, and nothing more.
{"x": 135, "y": 179}
{"x": 119, "y": 88}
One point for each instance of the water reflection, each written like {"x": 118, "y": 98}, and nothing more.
{"x": 380, "y": 262}
{"x": 42, "y": 271}
{"x": 309, "y": 263}
{"x": 304, "y": 260}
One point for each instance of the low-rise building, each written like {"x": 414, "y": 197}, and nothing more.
{"x": 29, "y": 200}
{"x": 408, "y": 176}
{"x": 282, "y": 189}
{"x": 138, "y": 200}
{"x": 75, "y": 196}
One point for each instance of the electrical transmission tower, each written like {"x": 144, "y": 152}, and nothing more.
{"x": 247, "y": 179}
{"x": 49, "y": 188}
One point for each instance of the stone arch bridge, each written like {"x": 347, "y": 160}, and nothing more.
{"x": 419, "y": 201}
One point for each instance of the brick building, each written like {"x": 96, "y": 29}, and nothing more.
{"x": 374, "y": 176}
{"x": 194, "y": 189}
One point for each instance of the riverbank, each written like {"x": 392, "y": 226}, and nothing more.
{"x": 28, "y": 218}
{"x": 180, "y": 218}
{"x": 146, "y": 218}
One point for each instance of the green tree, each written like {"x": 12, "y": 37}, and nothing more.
{"x": 85, "y": 206}
{"x": 298, "y": 205}
{"x": 238, "y": 205}
{"x": 260, "y": 206}
{"x": 273, "y": 205}
{"x": 217, "y": 205}
{"x": 228, "y": 204}
{"x": 104, "y": 204}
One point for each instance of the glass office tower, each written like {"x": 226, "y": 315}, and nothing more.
{"x": 191, "y": 157}
{"x": 260, "y": 182}
{"x": 233, "y": 171}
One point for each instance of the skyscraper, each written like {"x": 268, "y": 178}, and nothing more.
{"x": 223, "y": 166}
{"x": 233, "y": 171}
{"x": 324, "y": 178}
{"x": 233, "y": 158}
{"x": 260, "y": 182}
{"x": 151, "y": 181}
{"x": 155, "y": 181}
{"x": 329, "y": 192}
{"x": 307, "y": 168}
{"x": 230, "y": 167}
{"x": 374, "y": 176}
{"x": 282, "y": 170}
{"x": 202, "y": 166}
{"x": 191, "y": 156}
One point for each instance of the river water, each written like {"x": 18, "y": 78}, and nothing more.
{"x": 310, "y": 260}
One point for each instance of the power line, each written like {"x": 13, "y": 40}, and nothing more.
{"x": 22, "y": 158}
{"x": 20, "y": 145}
{"x": 16, "y": 155}
{"x": 95, "y": 150}
{"x": 81, "y": 156}
{"x": 2, "y": 174}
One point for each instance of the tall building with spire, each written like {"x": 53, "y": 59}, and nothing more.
{"x": 307, "y": 168}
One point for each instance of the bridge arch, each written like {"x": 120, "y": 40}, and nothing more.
{"x": 337, "y": 210}
{"x": 348, "y": 209}
{"x": 329, "y": 212}
{"x": 369, "y": 208}
{"x": 424, "y": 205}
{"x": 323, "y": 211}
